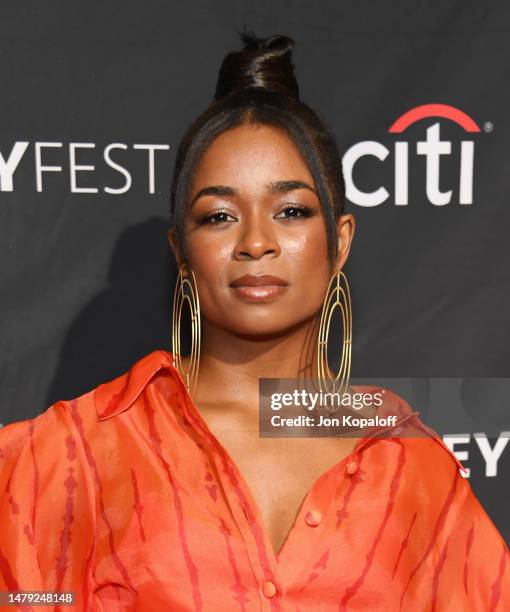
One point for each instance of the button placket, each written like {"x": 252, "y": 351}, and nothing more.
{"x": 243, "y": 508}
{"x": 243, "y": 512}
{"x": 309, "y": 534}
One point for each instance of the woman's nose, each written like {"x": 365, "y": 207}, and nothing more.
{"x": 256, "y": 238}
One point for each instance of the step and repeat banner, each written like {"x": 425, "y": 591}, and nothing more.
{"x": 94, "y": 100}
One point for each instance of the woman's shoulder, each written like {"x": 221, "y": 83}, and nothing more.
{"x": 428, "y": 475}
{"x": 424, "y": 448}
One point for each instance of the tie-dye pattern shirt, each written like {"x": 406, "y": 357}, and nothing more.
{"x": 125, "y": 497}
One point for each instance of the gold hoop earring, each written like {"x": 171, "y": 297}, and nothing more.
{"x": 186, "y": 291}
{"x": 336, "y": 295}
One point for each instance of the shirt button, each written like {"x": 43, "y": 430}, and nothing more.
{"x": 313, "y": 518}
{"x": 269, "y": 589}
{"x": 351, "y": 467}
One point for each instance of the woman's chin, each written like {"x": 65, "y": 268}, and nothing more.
{"x": 262, "y": 328}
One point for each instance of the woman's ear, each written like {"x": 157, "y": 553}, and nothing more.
{"x": 174, "y": 246}
{"x": 345, "y": 227}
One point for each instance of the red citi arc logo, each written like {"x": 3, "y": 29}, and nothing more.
{"x": 432, "y": 148}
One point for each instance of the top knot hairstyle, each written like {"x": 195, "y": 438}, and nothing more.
{"x": 263, "y": 62}
{"x": 257, "y": 86}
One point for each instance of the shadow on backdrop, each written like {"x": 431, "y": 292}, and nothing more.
{"x": 125, "y": 322}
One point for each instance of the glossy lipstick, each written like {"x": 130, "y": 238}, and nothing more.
{"x": 259, "y": 288}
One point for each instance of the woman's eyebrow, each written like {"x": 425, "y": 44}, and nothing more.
{"x": 284, "y": 186}
{"x": 274, "y": 187}
{"x": 219, "y": 190}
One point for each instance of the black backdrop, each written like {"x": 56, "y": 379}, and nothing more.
{"x": 86, "y": 276}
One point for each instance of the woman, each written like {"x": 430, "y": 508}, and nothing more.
{"x": 154, "y": 491}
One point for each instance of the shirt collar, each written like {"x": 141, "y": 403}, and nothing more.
{"x": 117, "y": 395}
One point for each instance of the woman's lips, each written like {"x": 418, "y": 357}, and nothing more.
{"x": 260, "y": 293}
{"x": 260, "y": 288}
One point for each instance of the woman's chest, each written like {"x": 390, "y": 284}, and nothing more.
{"x": 182, "y": 524}
{"x": 279, "y": 473}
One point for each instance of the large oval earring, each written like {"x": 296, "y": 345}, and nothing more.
{"x": 186, "y": 292}
{"x": 338, "y": 295}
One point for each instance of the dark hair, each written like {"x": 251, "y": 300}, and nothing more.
{"x": 257, "y": 85}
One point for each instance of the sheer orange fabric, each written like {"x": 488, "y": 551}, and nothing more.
{"x": 124, "y": 496}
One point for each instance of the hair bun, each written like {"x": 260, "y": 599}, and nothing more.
{"x": 262, "y": 63}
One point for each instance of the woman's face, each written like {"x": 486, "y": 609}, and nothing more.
{"x": 253, "y": 210}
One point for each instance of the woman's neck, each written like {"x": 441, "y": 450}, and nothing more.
{"x": 230, "y": 365}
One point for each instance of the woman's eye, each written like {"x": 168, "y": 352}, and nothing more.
{"x": 215, "y": 218}
{"x": 292, "y": 212}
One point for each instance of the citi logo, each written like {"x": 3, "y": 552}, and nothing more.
{"x": 432, "y": 148}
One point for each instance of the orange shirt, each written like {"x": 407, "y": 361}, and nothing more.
{"x": 124, "y": 496}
